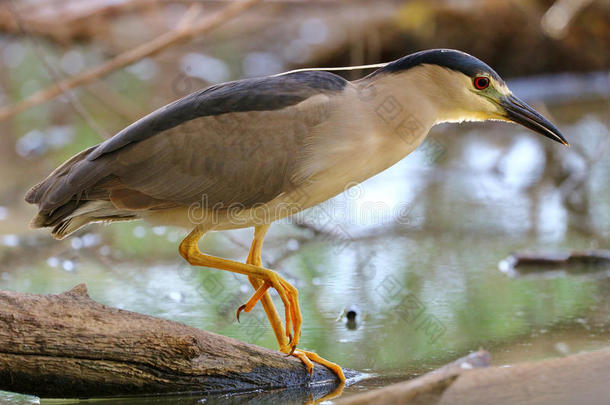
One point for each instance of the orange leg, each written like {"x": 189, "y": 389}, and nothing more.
{"x": 254, "y": 257}
{"x": 262, "y": 279}
{"x": 261, "y": 287}
{"x": 191, "y": 253}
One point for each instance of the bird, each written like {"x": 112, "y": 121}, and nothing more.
{"x": 246, "y": 153}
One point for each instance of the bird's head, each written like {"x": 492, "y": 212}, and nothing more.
{"x": 463, "y": 88}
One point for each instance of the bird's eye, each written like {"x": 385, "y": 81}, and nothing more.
{"x": 481, "y": 82}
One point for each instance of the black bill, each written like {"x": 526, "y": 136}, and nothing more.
{"x": 521, "y": 113}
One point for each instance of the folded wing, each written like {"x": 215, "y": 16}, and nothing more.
{"x": 234, "y": 143}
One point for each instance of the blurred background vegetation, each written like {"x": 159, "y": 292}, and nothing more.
{"x": 446, "y": 216}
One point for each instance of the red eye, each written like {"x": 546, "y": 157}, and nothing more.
{"x": 481, "y": 82}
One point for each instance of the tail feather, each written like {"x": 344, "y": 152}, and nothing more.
{"x": 51, "y": 218}
{"x": 59, "y": 196}
{"x": 36, "y": 194}
{"x": 67, "y": 226}
{"x": 87, "y": 212}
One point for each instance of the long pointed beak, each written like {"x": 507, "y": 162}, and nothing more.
{"x": 519, "y": 112}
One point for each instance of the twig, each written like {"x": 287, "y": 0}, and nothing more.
{"x": 72, "y": 100}
{"x": 114, "y": 102}
{"x": 64, "y": 21}
{"x": 178, "y": 35}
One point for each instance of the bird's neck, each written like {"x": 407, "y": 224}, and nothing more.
{"x": 429, "y": 94}
{"x": 401, "y": 104}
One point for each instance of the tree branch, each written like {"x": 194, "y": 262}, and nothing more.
{"x": 182, "y": 33}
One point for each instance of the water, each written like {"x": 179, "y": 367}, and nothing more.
{"x": 414, "y": 253}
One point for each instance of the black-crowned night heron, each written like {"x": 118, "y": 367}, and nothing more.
{"x": 249, "y": 152}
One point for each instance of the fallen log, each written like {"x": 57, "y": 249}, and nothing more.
{"x": 576, "y": 379}
{"x": 69, "y": 346}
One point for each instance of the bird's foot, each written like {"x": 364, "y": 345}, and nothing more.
{"x": 289, "y": 296}
{"x": 308, "y": 358}
{"x": 258, "y": 294}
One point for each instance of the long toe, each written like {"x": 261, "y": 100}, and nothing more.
{"x": 308, "y": 357}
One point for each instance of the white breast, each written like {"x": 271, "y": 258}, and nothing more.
{"x": 364, "y": 135}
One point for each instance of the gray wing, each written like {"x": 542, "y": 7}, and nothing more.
{"x": 235, "y": 143}
{"x": 257, "y": 94}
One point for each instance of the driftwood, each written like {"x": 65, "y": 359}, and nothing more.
{"x": 589, "y": 257}
{"x": 69, "y": 346}
{"x": 426, "y": 389}
{"x": 588, "y": 261}
{"x": 578, "y": 379}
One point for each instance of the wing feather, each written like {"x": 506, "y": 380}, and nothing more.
{"x": 234, "y": 143}
{"x": 242, "y": 158}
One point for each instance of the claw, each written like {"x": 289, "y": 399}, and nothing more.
{"x": 306, "y": 362}
{"x": 291, "y": 352}
{"x": 241, "y": 308}
{"x": 332, "y": 366}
